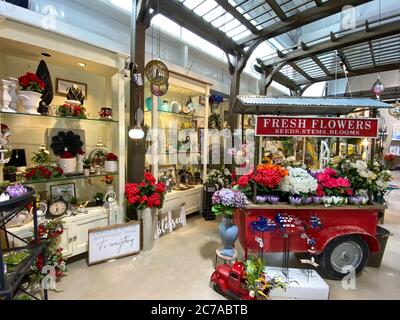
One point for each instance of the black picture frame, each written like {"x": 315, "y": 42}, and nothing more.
{"x": 60, "y": 190}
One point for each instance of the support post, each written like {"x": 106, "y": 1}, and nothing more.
{"x": 136, "y": 149}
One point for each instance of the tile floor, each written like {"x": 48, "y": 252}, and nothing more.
{"x": 180, "y": 265}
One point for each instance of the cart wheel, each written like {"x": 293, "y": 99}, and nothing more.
{"x": 341, "y": 252}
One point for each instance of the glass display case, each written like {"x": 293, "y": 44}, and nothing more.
{"x": 177, "y": 123}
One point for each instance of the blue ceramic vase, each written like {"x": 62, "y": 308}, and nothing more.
{"x": 228, "y": 233}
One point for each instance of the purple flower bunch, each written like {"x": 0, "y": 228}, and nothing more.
{"x": 16, "y": 190}
{"x": 229, "y": 198}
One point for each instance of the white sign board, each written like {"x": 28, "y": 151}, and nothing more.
{"x": 113, "y": 242}
{"x": 170, "y": 220}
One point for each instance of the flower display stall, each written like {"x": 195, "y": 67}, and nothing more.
{"x": 331, "y": 213}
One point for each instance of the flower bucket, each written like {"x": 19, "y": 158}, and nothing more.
{"x": 110, "y": 166}
{"x": 68, "y": 165}
{"x": 30, "y": 101}
{"x": 149, "y": 226}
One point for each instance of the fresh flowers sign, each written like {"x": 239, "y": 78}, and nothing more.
{"x": 317, "y": 127}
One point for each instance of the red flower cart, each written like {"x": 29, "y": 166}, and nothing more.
{"x": 338, "y": 236}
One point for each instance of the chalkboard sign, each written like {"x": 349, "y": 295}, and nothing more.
{"x": 116, "y": 241}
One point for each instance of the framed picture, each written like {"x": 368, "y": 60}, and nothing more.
{"x": 66, "y": 191}
{"x": 395, "y": 150}
{"x": 396, "y": 132}
{"x": 168, "y": 169}
{"x": 63, "y": 85}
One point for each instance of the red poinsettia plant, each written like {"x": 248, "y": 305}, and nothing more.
{"x": 147, "y": 194}
{"x": 43, "y": 172}
{"x": 331, "y": 184}
{"x": 111, "y": 157}
{"x": 31, "y": 82}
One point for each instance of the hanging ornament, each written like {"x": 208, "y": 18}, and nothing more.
{"x": 157, "y": 72}
{"x": 378, "y": 88}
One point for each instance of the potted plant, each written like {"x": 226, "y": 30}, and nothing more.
{"x": 390, "y": 160}
{"x": 41, "y": 157}
{"x": 145, "y": 197}
{"x": 31, "y": 90}
{"x": 224, "y": 202}
{"x": 109, "y": 186}
{"x": 99, "y": 198}
{"x": 111, "y": 163}
{"x": 67, "y": 162}
{"x": 10, "y": 173}
{"x": 87, "y": 165}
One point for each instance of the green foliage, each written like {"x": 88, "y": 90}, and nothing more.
{"x": 219, "y": 179}
{"x": 219, "y": 209}
{"x": 10, "y": 169}
{"x": 99, "y": 196}
{"x": 41, "y": 157}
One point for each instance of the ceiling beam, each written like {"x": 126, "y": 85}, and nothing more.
{"x": 277, "y": 9}
{"x": 278, "y": 77}
{"x": 318, "y": 3}
{"x": 180, "y": 14}
{"x": 344, "y": 59}
{"x": 361, "y": 36}
{"x": 237, "y": 15}
{"x": 354, "y": 73}
{"x": 372, "y": 53}
{"x": 301, "y": 71}
{"x": 300, "y": 19}
{"x": 321, "y": 65}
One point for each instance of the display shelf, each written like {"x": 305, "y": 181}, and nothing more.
{"x": 177, "y": 114}
{"x": 14, "y": 278}
{"x": 63, "y": 178}
{"x": 7, "y": 114}
{"x": 10, "y": 281}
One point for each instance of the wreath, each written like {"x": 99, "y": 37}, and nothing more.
{"x": 66, "y": 141}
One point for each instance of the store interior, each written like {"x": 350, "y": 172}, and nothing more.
{"x": 199, "y": 150}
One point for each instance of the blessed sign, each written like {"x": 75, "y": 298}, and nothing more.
{"x": 170, "y": 220}
{"x": 316, "y": 127}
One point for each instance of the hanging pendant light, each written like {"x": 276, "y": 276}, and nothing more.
{"x": 378, "y": 88}
{"x": 136, "y": 133}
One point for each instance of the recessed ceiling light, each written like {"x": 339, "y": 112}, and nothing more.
{"x": 81, "y": 64}
{"x": 45, "y": 54}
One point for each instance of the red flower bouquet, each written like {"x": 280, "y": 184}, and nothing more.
{"x": 147, "y": 194}
{"x": 389, "y": 157}
{"x": 331, "y": 184}
{"x": 43, "y": 173}
{"x": 111, "y": 157}
{"x": 31, "y": 82}
{"x": 266, "y": 180}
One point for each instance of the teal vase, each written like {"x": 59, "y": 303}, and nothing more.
{"x": 228, "y": 232}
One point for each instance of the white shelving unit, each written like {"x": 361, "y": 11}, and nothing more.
{"x": 21, "y": 49}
